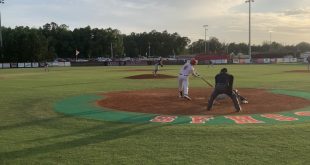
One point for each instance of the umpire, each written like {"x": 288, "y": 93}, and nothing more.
{"x": 224, "y": 85}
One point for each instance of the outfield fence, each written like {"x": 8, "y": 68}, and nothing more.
{"x": 33, "y": 64}
{"x": 152, "y": 62}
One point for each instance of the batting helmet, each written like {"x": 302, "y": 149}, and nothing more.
{"x": 194, "y": 61}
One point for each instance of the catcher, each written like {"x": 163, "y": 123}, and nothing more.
{"x": 157, "y": 63}
{"x": 224, "y": 85}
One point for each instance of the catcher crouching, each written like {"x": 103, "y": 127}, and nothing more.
{"x": 224, "y": 85}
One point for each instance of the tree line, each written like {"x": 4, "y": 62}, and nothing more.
{"x": 213, "y": 46}
{"x": 51, "y": 41}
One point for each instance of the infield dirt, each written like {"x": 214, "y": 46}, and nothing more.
{"x": 166, "y": 101}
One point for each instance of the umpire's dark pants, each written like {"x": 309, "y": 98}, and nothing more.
{"x": 229, "y": 93}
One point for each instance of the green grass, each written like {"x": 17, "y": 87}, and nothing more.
{"x": 32, "y": 133}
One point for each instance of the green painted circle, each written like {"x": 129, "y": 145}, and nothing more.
{"x": 84, "y": 106}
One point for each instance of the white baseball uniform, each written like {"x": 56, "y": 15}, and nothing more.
{"x": 185, "y": 71}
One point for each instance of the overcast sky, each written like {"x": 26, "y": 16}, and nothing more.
{"x": 288, "y": 20}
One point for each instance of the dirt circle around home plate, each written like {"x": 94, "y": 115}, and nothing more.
{"x": 167, "y": 102}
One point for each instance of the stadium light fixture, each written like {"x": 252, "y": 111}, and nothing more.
{"x": 249, "y": 1}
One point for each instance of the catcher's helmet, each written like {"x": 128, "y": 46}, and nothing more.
{"x": 224, "y": 70}
{"x": 194, "y": 61}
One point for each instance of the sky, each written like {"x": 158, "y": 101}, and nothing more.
{"x": 283, "y": 21}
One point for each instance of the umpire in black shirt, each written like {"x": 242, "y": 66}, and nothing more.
{"x": 224, "y": 85}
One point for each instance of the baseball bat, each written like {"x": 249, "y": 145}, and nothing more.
{"x": 206, "y": 81}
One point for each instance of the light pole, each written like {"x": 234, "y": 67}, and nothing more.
{"x": 1, "y": 43}
{"x": 149, "y": 49}
{"x": 205, "y": 26}
{"x": 173, "y": 53}
{"x": 227, "y": 48}
{"x": 115, "y": 39}
{"x": 270, "y": 36}
{"x": 123, "y": 47}
{"x": 249, "y": 1}
{"x": 91, "y": 45}
{"x": 111, "y": 50}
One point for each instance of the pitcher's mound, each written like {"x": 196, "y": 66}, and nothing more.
{"x": 299, "y": 71}
{"x": 150, "y": 76}
{"x": 166, "y": 101}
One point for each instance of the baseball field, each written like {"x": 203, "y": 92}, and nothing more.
{"x": 35, "y": 127}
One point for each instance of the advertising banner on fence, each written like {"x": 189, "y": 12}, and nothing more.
{"x": 219, "y": 61}
{"x": 244, "y": 61}
{"x": 236, "y": 61}
{"x": 280, "y": 60}
{"x": 67, "y": 64}
{"x": 260, "y": 60}
{"x": 61, "y": 64}
{"x": 293, "y": 59}
{"x": 55, "y": 64}
{"x": 35, "y": 65}
{"x": 286, "y": 60}
{"x": 28, "y": 65}
{"x": 6, "y": 65}
{"x": 14, "y": 65}
{"x": 247, "y": 61}
{"x": 21, "y": 65}
{"x": 266, "y": 60}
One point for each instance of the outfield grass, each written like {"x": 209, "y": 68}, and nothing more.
{"x": 32, "y": 133}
